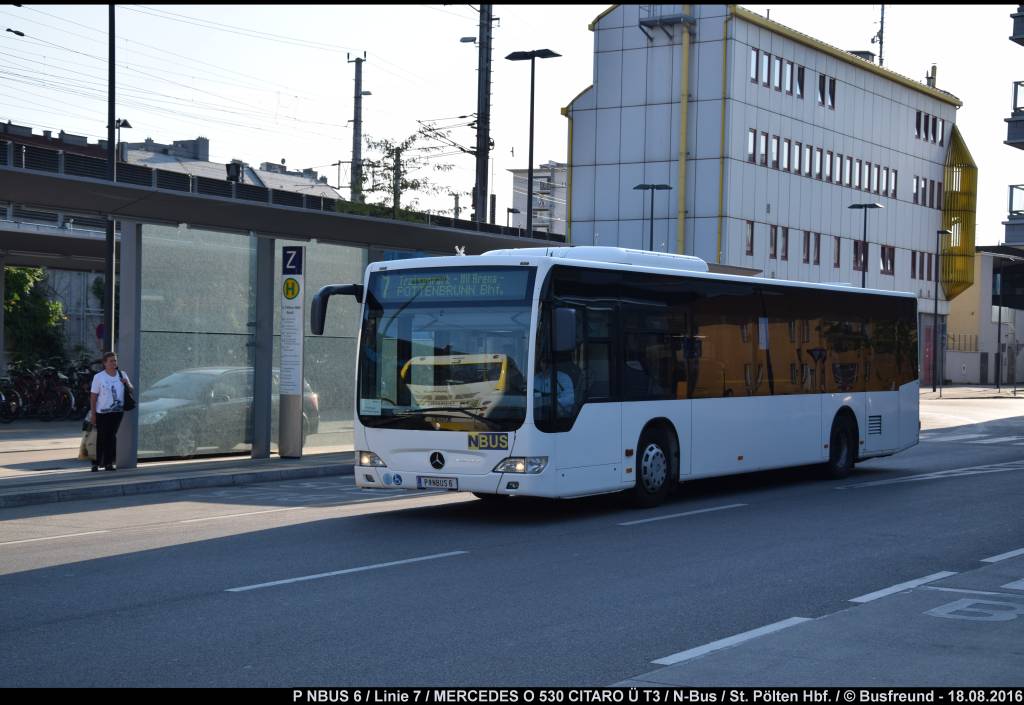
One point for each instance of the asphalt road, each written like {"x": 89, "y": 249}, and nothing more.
{"x": 317, "y": 582}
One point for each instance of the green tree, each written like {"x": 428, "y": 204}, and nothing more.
{"x": 32, "y": 321}
{"x": 414, "y": 161}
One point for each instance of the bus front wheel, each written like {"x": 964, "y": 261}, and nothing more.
{"x": 842, "y": 449}
{"x": 655, "y": 473}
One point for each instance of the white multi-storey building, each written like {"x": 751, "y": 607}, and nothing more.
{"x": 779, "y": 134}
{"x": 550, "y": 184}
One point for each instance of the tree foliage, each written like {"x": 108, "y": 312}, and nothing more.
{"x": 417, "y": 162}
{"x": 32, "y": 321}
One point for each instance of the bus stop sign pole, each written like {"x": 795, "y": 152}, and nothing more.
{"x": 289, "y": 443}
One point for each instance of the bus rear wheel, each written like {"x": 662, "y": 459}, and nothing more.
{"x": 655, "y": 471}
{"x": 842, "y": 449}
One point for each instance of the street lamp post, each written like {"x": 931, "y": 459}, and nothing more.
{"x": 523, "y": 56}
{"x": 864, "y": 246}
{"x": 119, "y": 123}
{"x": 935, "y": 314}
{"x": 652, "y": 188}
{"x": 508, "y": 212}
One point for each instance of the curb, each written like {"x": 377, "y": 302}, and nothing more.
{"x": 24, "y": 499}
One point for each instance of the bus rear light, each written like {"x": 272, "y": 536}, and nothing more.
{"x": 532, "y": 465}
{"x": 370, "y": 460}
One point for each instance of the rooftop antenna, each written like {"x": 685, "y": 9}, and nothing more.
{"x": 879, "y": 39}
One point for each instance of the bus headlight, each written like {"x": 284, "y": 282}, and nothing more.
{"x": 531, "y": 465}
{"x": 370, "y": 460}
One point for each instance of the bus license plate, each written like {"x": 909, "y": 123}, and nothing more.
{"x": 437, "y": 483}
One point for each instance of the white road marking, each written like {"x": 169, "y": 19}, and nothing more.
{"x": 245, "y": 514}
{"x": 347, "y": 571}
{"x": 1015, "y": 585}
{"x": 943, "y": 474}
{"x": 970, "y": 592}
{"x": 949, "y": 439}
{"x": 728, "y": 641}
{"x": 683, "y": 514}
{"x": 902, "y": 586}
{"x": 1003, "y": 439}
{"x": 51, "y": 538}
{"x": 1004, "y": 556}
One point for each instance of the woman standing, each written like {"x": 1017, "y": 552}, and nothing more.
{"x": 107, "y": 403}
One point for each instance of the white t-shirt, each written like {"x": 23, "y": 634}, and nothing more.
{"x": 109, "y": 390}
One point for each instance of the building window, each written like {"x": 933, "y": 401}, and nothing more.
{"x": 796, "y": 157}
{"x": 935, "y": 129}
{"x": 874, "y": 178}
{"x": 773, "y": 241}
{"x": 765, "y": 58}
{"x": 885, "y": 181}
{"x": 837, "y": 253}
{"x": 775, "y": 151}
{"x": 785, "y": 243}
{"x": 892, "y": 184}
{"x": 913, "y": 264}
{"x": 817, "y": 248}
{"x": 787, "y": 148}
{"x": 856, "y": 175}
{"x": 846, "y": 173}
{"x": 832, "y": 93}
{"x": 927, "y": 128}
{"x": 917, "y": 126}
{"x": 828, "y": 167}
{"x": 807, "y": 159}
{"x": 887, "y": 263}
{"x": 938, "y": 196}
{"x": 807, "y": 246}
{"x": 787, "y": 78}
{"x": 821, "y": 89}
{"x": 915, "y": 189}
{"x": 867, "y": 176}
{"x": 750, "y": 237}
{"x": 920, "y": 266}
{"x": 860, "y": 251}
{"x": 753, "y": 65}
{"x": 837, "y": 169}
{"x": 752, "y": 146}
{"x": 942, "y": 132}
{"x": 763, "y": 149}
{"x": 931, "y": 193}
{"x": 817, "y": 162}
{"x": 929, "y": 266}
{"x": 924, "y": 191}
{"x": 800, "y": 82}
{"x": 777, "y": 73}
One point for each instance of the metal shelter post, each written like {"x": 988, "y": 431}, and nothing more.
{"x": 263, "y": 362}
{"x": 129, "y": 338}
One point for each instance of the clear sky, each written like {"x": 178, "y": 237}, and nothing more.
{"x": 271, "y": 82}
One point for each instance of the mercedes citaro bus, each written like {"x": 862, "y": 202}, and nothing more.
{"x": 572, "y": 371}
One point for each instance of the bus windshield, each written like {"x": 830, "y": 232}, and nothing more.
{"x": 444, "y": 349}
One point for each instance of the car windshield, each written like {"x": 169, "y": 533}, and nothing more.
{"x": 194, "y": 386}
{"x": 444, "y": 349}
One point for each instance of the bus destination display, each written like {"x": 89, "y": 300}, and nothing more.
{"x": 443, "y": 285}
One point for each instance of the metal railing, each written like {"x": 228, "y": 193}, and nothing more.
{"x": 31, "y": 157}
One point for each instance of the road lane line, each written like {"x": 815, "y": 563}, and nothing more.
{"x": 347, "y": 571}
{"x": 1001, "y": 439}
{"x": 973, "y": 592}
{"x": 903, "y": 586}
{"x": 246, "y": 514}
{"x": 954, "y": 438}
{"x": 316, "y": 505}
{"x": 51, "y": 538}
{"x": 683, "y": 514}
{"x": 729, "y": 641}
{"x": 1004, "y": 556}
{"x": 1008, "y": 466}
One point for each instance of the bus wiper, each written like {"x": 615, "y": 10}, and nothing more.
{"x": 456, "y": 409}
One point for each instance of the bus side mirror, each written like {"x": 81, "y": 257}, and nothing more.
{"x": 565, "y": 329}
{"x": 318, "y": 312}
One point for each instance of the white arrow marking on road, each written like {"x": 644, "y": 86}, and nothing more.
{"x": 902, "y": 586}
{"x": 1015, "y": 585}
{"x": 943, "y": 474}
{"x": 346, "y": 571}
{"x": 729, "y": 641}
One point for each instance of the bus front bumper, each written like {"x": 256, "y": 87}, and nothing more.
{"x": 509, "y": 483}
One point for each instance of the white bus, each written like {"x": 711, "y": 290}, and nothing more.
{"x": 564, "y": 372}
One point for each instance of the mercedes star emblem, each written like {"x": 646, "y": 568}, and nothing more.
{"x": 436, "y": 460}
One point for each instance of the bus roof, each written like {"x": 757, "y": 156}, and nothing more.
{"x": 615, "y": 258}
